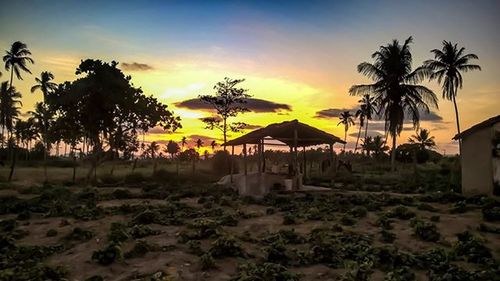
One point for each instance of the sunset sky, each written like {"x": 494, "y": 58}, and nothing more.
{"x": 298, "y": 58}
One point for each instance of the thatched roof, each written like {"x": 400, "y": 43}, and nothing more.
{"x": 284, "y": 132}
{"x": 487, "y": 123}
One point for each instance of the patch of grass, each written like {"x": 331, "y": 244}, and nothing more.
{"x": 264, "y": 271}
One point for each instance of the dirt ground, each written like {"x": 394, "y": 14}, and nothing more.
{"x": 176, "y": 261}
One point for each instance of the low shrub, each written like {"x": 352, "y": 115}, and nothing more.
{"x": 358, "y": 212}
{"x": 355, "y": 271}
{"x": 207, "y": 262}
{"x": 426, "y": 231}
{"x": 79, "y": 234}
{"x": 118, "y": 233}
{"x": 51, "y": 233}
{"x": 472, "y": 249}
{"x": 347, "y": 220}
{"x": 108, "y": 255}
{"x": 386, "y": 236}
{"x": 276, "y": 252}
{"x": 289, "y": 219}
{"x": 404, "y": 273}
{"x": 226, "y": 246}
{"x": 141, "y": 231}
{"x": 194, "y": 247}
{"x": 140, "y": 249}
{"x": 491, "y": 212}
{"x": 265, "y": 271}
{"x": 401, "y": 212}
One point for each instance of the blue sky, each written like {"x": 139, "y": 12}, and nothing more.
{"x": 300, "y": 52}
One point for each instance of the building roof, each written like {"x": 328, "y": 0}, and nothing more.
{"x": 284, "y": 132}
{"x": 485, "y": 124}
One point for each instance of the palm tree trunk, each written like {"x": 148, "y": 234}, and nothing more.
{"x": 357, "y": 140}
{"x": 345, "y": 139}
{"x": 11, "y": 76}
{"x": 458, "y": 122}
{"x": 225, "y": 134}
{"x": 13, "y": 164}
{"x": 393, "y": 153}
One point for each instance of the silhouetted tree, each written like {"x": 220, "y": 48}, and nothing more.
{"x": 228, "y": 101}
{"x": 110, "y": 110}
{"x": 199, "y": 144}
{"x": 346, "y": 119}
{"x": 183, "y": 142}
{"x": 43, "y": 117}
{"x": 44, "y": 84}
{"x": 448, "y": 65}
{"x": 395, "y": 89}
{"x": 213, "y": 144}
{"x": 9, "y": 108}
{"x": 16, "y": 60}
{"x": 423, "y": 138}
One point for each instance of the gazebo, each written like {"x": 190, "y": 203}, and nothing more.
{"x": 293, "y": 134}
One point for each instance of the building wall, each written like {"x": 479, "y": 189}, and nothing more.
{"x": 477, "y": 165}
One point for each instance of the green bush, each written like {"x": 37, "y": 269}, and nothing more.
{"x": 347, "y": 220}
{"x": 400, "y": 212}
{"x": 426, "y": 231}
{"x": 491, "y": 212}
{"x": 141, "y": 231}
{"x": 140, "y": 249}
{"x": 265, "y": 271}
{"x": 51, "y": 233}
{"x": 118, "y": 233}
{"x": 226, "y": 246}
{"x": 276, "y": 252}
{"x": 79, "y": 234}
{"x": 207, "y": 262}
{"x": 358, "y": 212}
{"x": 108, "y": 255}
{"x": 472, "y": 249}
{"x": 289, "y": 219}
{"x": 386, "y": 236}
{"x": 401, "y": 274}
{"x": 194, "y": 247}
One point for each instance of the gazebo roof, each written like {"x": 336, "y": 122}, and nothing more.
{"x": 284, "y": 132}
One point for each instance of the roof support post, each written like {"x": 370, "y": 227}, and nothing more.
{"x": 232, "y": 163}
{"x": 245, "y": 158}
{"x": 259, "y": 158}
{"x": 304, "y": 164}
{"x": 333, "y": 166}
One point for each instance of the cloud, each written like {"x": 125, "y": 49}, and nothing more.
{"x": 255, "y": 105}
{"x": 431, "y": 116}
{"x": 135, "y": 66}
{"x": 252, "y": 127}
{"x": 331, "y": 112}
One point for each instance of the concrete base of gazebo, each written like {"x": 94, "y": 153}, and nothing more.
{"x": 259, "y": 184}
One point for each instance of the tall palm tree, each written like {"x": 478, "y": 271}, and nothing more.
{"x": 360, "y": 114}
{"x": 16, "y": 60}
{"x": 9, "y": 108}
{"x": 448, "y": 65}
{"x": 44, "y": 84}
{"x": 396, "y": 88}
{"x": 183, "y": 143}
{"x": 346, "y": 118}
{"x": 368, "y": 105}
{"x": 423, "y": 138}
{"x": 213, "y": 144}
{"x": 42, "y": 118}
{"x": 199, "y": 144}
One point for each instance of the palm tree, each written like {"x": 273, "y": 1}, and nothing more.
{"x": 360, "y": 114}
{"x": 423, "y": 138}
{"x": 44, "y": 84}
{"x": 396, "y": 88}
{"x": 16, "y": 60}
{"x": 153, "y": 148}
{"x": 448, "y": 65}
{"x": 43, "y": 117}
{"x": 213, "y": 144}
{"x": 199, "y": 144}
{"x": 9, "y": 108}
{"x": 346, "y": 118}
{"x": 183, "y": 143}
